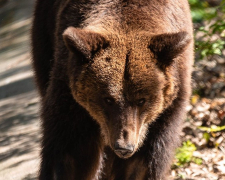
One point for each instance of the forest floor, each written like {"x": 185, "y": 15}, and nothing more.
{"x": 19, "y": 104}
{"x": 205, "y": 121}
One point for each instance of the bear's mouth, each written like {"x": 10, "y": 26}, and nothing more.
{"x": 123, "y": 154}
{"x": 125, "y": 151}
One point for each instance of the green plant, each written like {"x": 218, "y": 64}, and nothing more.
{"x": 212, "y": 128}
{"x": 210, "y": 36}
{"x": 206, "y": 45}
{"x": 209, "y": 134}
{"x": 200, "y": 10}
{"x": 184, "y": 154}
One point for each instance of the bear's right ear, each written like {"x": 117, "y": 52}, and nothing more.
{"x": 84, "y": 41}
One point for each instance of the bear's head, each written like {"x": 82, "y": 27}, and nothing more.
{"x": 124, "y": 82}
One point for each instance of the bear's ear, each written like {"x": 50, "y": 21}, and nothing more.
{"x": 166, "y": 47}
{"x": 84, "y": 41}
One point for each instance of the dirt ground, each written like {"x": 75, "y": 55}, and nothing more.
{"x": 19, "y": 123}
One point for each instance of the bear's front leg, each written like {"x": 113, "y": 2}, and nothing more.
{"x": 72, "y": 144}
{"x": 71, "y": 166}
{"x": 162, "y": 140}
{"x": 79, "y": 165}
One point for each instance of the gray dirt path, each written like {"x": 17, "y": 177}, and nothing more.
{"x": 19, "y": 103}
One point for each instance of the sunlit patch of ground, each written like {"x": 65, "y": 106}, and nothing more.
{"x": 19, "y": 136}
{"x": 19, "y": 103}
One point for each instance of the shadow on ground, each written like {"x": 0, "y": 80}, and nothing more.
{"x": 19, "y": 124}
{"x": 19, "y": 103}
{"x": 19, "y": 136}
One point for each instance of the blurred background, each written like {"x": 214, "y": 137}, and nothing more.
{"x": 19, "y": 122}
{"x": 202, "y": 153}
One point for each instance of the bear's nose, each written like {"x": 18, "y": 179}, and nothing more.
{"x": 124, "y": 150}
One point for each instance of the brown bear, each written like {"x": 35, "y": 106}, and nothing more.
{"x": 114, "y": 78}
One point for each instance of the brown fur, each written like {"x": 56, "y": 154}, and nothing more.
{"x": 111, "y": 73}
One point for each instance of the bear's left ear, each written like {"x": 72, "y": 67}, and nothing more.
{"x": 84, "y": 41}
{"x": 166, "y": 47}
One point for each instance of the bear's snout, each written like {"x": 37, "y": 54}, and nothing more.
{"x": 123, "y": 151}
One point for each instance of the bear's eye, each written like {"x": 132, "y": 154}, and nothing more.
{"x": 107, "y": 59}
{"x": 109, "y": 101}
{"x": 141, "y": 102}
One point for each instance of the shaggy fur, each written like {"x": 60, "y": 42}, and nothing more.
{"x": 114, "y": 79}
